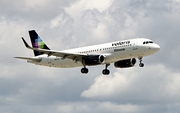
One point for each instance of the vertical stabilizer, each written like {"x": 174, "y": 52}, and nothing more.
{"x": 37, "y": 42}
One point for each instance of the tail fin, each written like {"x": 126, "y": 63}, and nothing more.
{"x": 37, "y": 42}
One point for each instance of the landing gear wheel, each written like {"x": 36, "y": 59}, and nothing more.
{"x": 84, "y": 70}
{"x": 141, "y": 65}
{"x": 105, "y": 72}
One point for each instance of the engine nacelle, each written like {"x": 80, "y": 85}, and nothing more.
{"x": 93, "y": 60}
{"x": 125, "y": 63}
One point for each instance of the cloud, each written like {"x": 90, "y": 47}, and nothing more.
{"x": 153, "y": 84}
{"x": 76, "y": 10}
{"x": 74, "y": 23}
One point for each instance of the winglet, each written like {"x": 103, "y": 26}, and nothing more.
{"x": 29, "y": 47}
{"x": 26, "y": 44}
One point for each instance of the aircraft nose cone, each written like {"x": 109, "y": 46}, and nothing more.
{"x": 156, "y": 47}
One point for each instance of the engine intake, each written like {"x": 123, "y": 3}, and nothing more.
{"x": 93, "y": 60}
{"x": 125, "y": 63}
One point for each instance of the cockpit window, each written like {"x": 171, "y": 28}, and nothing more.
{"x": 147, "y": 42}
{"x": 150, "y": 42}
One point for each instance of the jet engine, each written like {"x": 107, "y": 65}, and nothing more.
{"x": 93, "y": 60}
{"x": 125, "y": 63}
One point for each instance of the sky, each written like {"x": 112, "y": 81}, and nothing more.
{"x": 65, "y": 24}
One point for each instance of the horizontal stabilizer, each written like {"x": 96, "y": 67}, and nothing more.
{"x": 28, "y": 58}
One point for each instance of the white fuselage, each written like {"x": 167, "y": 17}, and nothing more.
{"x": 113, "y": 52}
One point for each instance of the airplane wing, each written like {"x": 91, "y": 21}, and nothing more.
{"x": 73, "y": 56}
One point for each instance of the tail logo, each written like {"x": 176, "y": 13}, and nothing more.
{"x": 39, "y": 43}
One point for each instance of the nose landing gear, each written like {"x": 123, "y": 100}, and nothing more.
{"x": 141, "y": 64}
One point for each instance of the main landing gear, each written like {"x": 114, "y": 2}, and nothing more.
{"x": 106, "y": 71}
{"x": 84, "y": 70}
{"x": 141, "y": 64}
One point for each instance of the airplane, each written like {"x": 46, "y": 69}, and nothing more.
{"x": 122, "y": 53}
